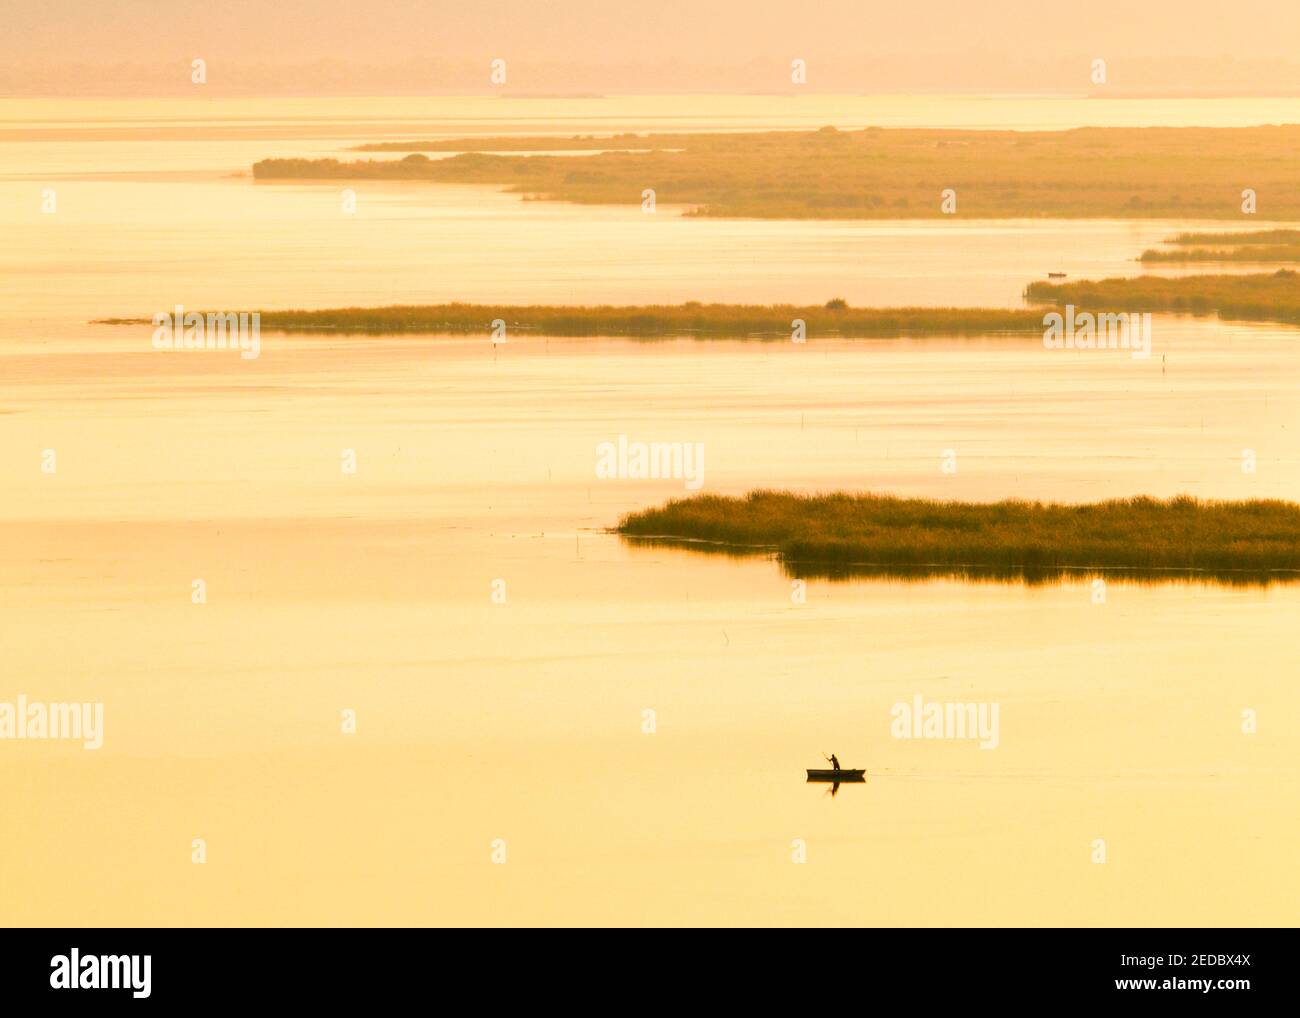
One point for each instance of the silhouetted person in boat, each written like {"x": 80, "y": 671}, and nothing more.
{"x": 835, "y": 761}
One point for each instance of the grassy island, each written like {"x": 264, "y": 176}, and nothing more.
{"x": 835, "y": 318}
{"x": 875, "y": 173}
{"x": 1253, "y": 246}
{"x": 850, "y": 533}
{"x": 1236, "y": 239}
{"x": 1257, "y": 253}
{"x": 1256, "y": 297}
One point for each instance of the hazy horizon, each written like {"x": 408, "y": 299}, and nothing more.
{"x": 75, "y": 47}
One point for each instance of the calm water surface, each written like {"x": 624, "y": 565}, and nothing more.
{"x": 523, "y": 721}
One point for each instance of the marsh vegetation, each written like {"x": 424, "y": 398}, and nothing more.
{"x": 829, "y": 533}
{"x": 1261, "y": 246}
{"x": 1257, "y": 297}
{"x": 1257, "y": 253}
{"x": 874, "y": 173}
{"x": 774, "y": 321}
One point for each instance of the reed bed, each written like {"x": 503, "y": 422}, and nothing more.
{"x": 1256, "y": 297}
{"x": 1257, "y": 253}
{"x": 876, "y": 173}
{"x": 827, "y": 534}
{"x": 835, "y": 318}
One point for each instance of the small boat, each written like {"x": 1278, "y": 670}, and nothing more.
{"x": 840, "y": 775}
{"x": 1056, "y": 275}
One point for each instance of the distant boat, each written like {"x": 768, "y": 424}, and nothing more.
{"x": 1056, "y": 275}
{"x": 840, "y": 775}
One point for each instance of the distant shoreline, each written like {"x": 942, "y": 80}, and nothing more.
{"x": 1182, "y": 173}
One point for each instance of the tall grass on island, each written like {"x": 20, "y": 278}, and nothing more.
{"x": 1260, "y": 246}
{"x": 1255, "y": 297}
{"x": 833, "y": 534}
{"x": 875, "y": 173}
{"x": 691, "y": 319}
{"x": 1256, "y": 253}
{"x": 1265, "y": 237}
{"x": 1259, "y": 297}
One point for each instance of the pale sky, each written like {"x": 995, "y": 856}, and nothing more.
{"x": 276, "y": 46}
